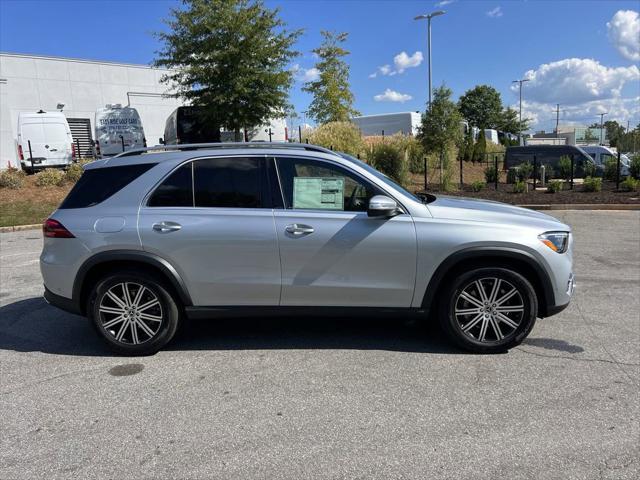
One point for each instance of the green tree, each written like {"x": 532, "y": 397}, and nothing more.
{"x": 481, "y": 107}
{"x": 468, "y": 146}
{"x": 480, "y": 148}
{"x": 332, "y": 97}
{"x": 230, "y": 58}
{"x": 509, "y": 122}
{"x": 440, "y": 129}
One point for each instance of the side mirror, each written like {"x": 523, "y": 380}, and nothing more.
{"x": 382, "y": 206}
{"x": 161, "y": 141}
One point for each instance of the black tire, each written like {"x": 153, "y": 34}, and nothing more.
{"x": 454, "y": 324}
{"x": 167, "y": 308}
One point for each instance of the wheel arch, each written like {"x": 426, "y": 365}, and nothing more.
{"x": 102, "y": 263}
{"x": 519, "y": 261}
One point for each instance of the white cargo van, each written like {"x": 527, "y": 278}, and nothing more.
{"x": 117, "y": 129}
{"x": 602, "y": 154}
{"x": 44, "y": 141}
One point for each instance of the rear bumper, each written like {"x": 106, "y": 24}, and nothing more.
{"x": 63, "y": 303}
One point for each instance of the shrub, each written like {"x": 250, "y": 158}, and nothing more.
{"x": 12, "y": 178}
{"x": 513, "y": 175}
{"x": 478, "y": 185}
{"x": 490, "y": 174}
{"x": 389, "y": 160}
{"x": 519, "y": 187}
{"x": 564, "y": 167}
{"x": 634, "y": 166}
{"x": 630, "y": 184}
{"x": 554, "y": 186}
{"x": 524, "y": 171}
{"x": 74, "y": 172}
{"x": 50, "y": 177}
{"x": 411, "y": 150}
{"x": 592, "y": 184}
{"x": 590, "y": 169}
{"x": 610, "y": 169}
{"x": 340, "y": 136}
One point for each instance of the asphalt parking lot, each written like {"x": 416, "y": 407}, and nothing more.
{"x": 340, "y": 398}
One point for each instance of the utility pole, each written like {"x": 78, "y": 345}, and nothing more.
{"x": 428, "y": 17}
{"x": 601, "y": 124}
{"x": 520, "y": 82}
{"x": 557, "y": 117}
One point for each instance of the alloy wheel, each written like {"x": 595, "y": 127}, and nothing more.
{"x": 489, "y": 309}
{"x": 131, "y": 313}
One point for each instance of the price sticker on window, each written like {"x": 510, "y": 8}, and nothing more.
{"x": 322, "y": 193}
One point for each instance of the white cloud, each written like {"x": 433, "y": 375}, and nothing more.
{"x": 392, "y": 96}
{"x": 401, "y": 62}
{"x": 624, "y": 33}
{"x": 305, "y": 75}
{"x": 495, "y": 13}
{"x": 576, "y": 80}
{"x": 444, "y": 2}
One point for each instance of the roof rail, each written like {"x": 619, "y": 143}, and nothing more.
{"x": 228, "y": 145}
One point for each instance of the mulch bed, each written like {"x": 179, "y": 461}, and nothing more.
{"x": 505, "y": 194}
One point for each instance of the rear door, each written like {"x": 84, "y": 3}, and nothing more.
{"x": 212, "y": 220}
{"x": 33, "y": 141}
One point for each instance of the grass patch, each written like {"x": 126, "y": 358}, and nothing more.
{"x": 23, "y": 212}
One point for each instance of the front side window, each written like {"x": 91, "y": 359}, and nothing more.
{"x": 318, "y": 185}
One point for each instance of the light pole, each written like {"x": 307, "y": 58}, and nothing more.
{"x": 520, "y": 82}
{"x": 601, "y": 119}
{"x": 429, "y": 17}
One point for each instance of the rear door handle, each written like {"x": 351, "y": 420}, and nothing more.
{"x": 166, "y": 227}
{"x": 299, "y": 229}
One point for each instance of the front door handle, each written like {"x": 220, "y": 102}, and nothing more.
{"x": 299, "y": 229}
{"x": 166, "y": 227}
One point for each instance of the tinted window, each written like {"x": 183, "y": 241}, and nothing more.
{"x": 228, "y": 182}
{"x": 176, "y": 190}
{"x": 98, "y": 184}
{"x": 317, "y": 185}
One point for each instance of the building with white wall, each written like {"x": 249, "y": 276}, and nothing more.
{"x": 29, "y": 83}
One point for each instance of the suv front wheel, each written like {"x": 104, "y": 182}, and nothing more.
{"x": 488, "y": 310}
{"x": 134, "y": 313}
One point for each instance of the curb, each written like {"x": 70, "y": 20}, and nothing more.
{"x": 18, "y": 228}
{"x": 559, "y": 206}
{"x": 584, "y": 206}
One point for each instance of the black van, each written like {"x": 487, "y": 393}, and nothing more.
{"x": 548, "y": 155}
{"x": 188, "y": 125}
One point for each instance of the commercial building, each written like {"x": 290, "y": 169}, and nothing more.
{"x": 29, "y": 83}
{"x": 406, "y": 123}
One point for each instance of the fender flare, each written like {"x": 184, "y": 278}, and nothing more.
{"x": 151, "y": 259}
{"x": 478, "y": 253}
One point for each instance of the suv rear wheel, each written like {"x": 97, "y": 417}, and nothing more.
{"x": 488, "y": 310}
{"x": 134, "y": 313}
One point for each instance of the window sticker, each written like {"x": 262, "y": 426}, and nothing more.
{"x": 325, "y": 193}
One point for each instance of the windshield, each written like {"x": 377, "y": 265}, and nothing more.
{"x": 380, "y": 176}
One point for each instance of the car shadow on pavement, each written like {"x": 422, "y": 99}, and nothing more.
{"x": 32, "y": 325}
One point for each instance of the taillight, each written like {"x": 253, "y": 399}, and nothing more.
{"x": 97, "y": 148}
{"x": 73, "y": 151}
{"x": 54, "y": 229}
{"x": 20, "y": 154}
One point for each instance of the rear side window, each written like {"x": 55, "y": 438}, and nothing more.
{"x": 176, "y": 190}
{"x": 98, "y": 184}
{"x": 233, "y": 182}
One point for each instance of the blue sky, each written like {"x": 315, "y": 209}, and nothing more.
{"x": 581, "y": 54}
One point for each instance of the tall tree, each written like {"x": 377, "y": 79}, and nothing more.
{"x": 229, "y": 57}
{"x": 332, "y": 97}
{"x": 481, "y": 106}
{"x": 509, "y": 122}
{"x": 441, "y": 124}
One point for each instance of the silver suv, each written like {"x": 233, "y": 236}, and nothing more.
{"x": 151, "y": 237}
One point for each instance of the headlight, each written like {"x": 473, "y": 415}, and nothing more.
{"x": 556, "y": 241}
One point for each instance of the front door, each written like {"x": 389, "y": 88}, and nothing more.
{"x": 332, "y": 252}
{"x": 211, "y": 219}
